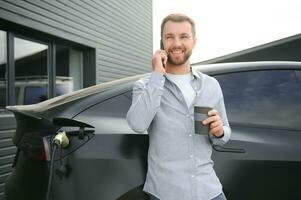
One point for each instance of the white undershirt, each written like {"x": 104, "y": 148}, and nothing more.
{"x": 183, "y": 81}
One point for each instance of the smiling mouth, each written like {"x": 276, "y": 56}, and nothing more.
{"x": 177, "y": 52}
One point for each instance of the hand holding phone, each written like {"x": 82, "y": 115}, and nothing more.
{"x": 162, "y": 48}
{"x": 159, "y": 61}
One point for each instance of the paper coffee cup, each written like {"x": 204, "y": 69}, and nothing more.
{"x": 200, "y": 114}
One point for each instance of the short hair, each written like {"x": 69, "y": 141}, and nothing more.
{"x": 178, "y": 17}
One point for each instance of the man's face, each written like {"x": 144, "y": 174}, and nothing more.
{"x": 178, "y": 41}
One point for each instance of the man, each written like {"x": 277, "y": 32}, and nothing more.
{"x": 179, "y": 161}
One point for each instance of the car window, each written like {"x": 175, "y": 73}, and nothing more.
{"x": 270, "y": 97}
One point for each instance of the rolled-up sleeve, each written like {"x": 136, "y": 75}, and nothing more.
{"x": 227, "y": 130}
{"x": 146, "y": 102}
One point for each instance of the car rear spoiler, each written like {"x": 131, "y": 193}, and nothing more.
{"x": 31, "y": 126}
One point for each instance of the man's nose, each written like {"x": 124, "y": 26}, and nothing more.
{"x": 177, "y": 42}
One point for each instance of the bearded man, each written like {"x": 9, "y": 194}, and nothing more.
{"x": 179, "y": 162}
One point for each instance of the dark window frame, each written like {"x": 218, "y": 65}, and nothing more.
{"x": 15, "y": 30}
{"x": 51, "y": 62}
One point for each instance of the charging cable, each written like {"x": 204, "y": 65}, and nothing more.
{"x": 60, "y": 141}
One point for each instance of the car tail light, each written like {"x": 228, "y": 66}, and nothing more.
{"x": 45, "y": 150}
{"x": 36, "y": 147}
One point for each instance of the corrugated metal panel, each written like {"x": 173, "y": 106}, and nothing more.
{"x": 7, "y": 150}
{"x": 129, "y": 52}
{"x": 120, "y": 30}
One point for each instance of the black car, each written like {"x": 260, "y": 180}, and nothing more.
{"x": 106, "y": 160}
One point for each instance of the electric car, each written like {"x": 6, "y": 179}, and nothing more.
{"x": 100, "y": 157}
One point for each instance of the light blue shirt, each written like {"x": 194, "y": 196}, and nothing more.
{"x": 183, "y": 81}
{"x": 179, "y": 161}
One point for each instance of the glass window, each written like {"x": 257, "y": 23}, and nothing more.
{"x": 68, "y": 70}
{"x": 35, "y": 94}
{"x": 33, "y": 70}
{"x": 269, "y": 98}
{"x": 30, "y": 69}
{"x": 63, "y": 88}
{"x": 3, "y": 74}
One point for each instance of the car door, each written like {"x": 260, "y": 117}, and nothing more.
{"x": 263, "y": 109}
{"x": 113, "y": 162}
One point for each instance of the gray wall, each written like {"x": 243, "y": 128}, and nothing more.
{"x": 7, "y": 149}
{"x": 119, "y": 30}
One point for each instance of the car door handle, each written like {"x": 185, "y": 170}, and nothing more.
{"x": 228, "y": 149}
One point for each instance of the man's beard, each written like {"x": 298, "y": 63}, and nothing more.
{"x": 180, "y": 60}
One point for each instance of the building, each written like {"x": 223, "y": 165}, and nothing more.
{"x": 48, "y": 48}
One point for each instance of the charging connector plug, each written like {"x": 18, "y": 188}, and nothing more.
{"x": 61, "y": 140}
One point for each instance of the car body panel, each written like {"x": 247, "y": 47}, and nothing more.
{"x": 111, "y": 161}
{"x": 106, "y": 168}
{"x": 269, "y": 169}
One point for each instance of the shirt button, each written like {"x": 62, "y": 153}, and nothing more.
{"x": 191, "y": 156}
{"x": 192, "y": 176}
{"x": 190, "y": 135}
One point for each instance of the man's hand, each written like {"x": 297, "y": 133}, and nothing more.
{"x": 159, "y": 61}
{"x": 215, "y": 123}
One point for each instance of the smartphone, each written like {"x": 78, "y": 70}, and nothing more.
{"x": 161, "y": 45}
{"x": 162, "y": 48}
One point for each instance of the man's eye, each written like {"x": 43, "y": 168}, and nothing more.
{"x": 185, "y": 36}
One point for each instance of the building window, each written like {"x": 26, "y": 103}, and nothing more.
{"x": 30, "y": 71}
{"x": 34, "y": 70}
{"x": 68, "y": 70}
{"x": 3, "y": 78}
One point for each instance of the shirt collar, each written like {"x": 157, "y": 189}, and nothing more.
{"x": 195, "y": 74}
